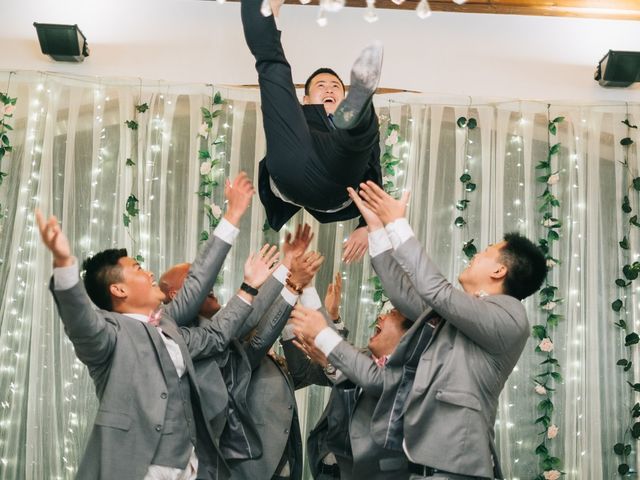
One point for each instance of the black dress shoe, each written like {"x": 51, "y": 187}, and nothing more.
{"x": 365, "y": 75}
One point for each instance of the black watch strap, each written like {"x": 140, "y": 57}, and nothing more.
{"x": 245, "y": 287}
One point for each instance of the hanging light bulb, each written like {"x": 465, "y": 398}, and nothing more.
{"x": 398, "y": 2}
{"x": 221, "y": 1}
{"x": 333, "y": 5}
{"x": 423, "y": 10}
{"x": 322, "y": 17}
{"x": 305, "y": 2}
{"x": 265, "y": 8}
{"x": 370, "y": 15}
{"x": 459, "y": 2}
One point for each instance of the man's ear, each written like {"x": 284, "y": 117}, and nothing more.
{"x": 118, "y": 290}
{"x": 305, "y": 100}
{"x": 499, "y": 273}
{"x": 172, "y": 294}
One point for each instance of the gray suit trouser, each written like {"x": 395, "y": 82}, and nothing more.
{"x": 443, "y": 476}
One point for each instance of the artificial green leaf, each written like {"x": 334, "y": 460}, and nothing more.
{"x": 469, "y": 249}
{"x": 558, "y": 120}
{"x": 553, "y": 235}
{"x": 621, "y": 283}
{"x": 217, "y": 99}
{"x": 465, "y": 177}
{"x": 622, "y": 362}
{"x": 543, "y": 165}
{"x": 132, "y": 206}
{"x": 631, "y": 339}
{"x": 472, "y": 123}
{"x": 132, "y": 124}
{"x": 621, "y": 324}
{"x": 554, "y": 149}
{"x": 470, "y": 187}
{"x": 542, "y": 449}
{"x": 130, "y": 163}
{"x": 2, "y": 176}
{"x": 461, "y": 122}
{"x": 625, "y": 142}
{"x": 635, "y": 386}
{"x": 204, "y": 236}
{"x": 543, "y": 179}
{"x": 626, "y": 205}
{"x": 539, "y": 332}
{"x": 5, "y": 140}
{"x": 618, "y": 449}
{"x": 377, "y": 296}
{"x": 636, "y": 184}
{"x": 126, "y": 220}
{"x": 623, "y": 469}
{"x": 139, "y": 258}
{"x": 215, "y": 114}
{"x": 556, "y": 376}
{"x": 142, "y": 108}
{"x": 627, "y": 449}
{"x": 552, "y": 128}
{"x": 462, "y": 204}
{"x": 459, "y": 222}
{"x": 203, "y": 154}
{"x": 629, "y": 272}
{"x": 617, "y": 305}
{"x": 545, "y": 420}
{"x": 626, "y": 122}
{"x": 205, "y": 112}
{"x": 635, "y": 430}
{"x": 624, "y": 243}
{"x": 634, "y": 221}
{"x": 626, "y": 369}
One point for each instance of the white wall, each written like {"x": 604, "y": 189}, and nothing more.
{"x": 194, "y": 41}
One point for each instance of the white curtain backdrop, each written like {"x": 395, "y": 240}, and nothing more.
{"x": 70, "y": 150}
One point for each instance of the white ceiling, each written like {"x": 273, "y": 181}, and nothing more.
{"x": 194, "y": 41}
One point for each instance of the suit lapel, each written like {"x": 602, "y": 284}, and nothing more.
{"x": 171, "y": 331}
{"x": 157, "y": 342}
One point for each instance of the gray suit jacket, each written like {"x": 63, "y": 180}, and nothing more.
{"x": 121, "y": 355}
{"x": 449, "y": 413}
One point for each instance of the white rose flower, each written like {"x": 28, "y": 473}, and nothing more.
{"x": 551, "y": 263}
{"x": 549, "y": 306}
{"x": 540, "y": 390}
{"x": 551, "y": 475}
{"x": 392, "y": 139}
{"x": 552, "y": 431}
{"x": 216, "y": 210}
{"x": 205, "y": 168}
{"x": 553, "y": 179}
{"x": 548, "y": 222}
{"x": 203, "y": 131}
{"x": 9, "y": 109}
{"x": 546, "y": 345}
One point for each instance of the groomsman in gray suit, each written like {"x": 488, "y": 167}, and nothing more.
{"x": 443, "y": 419}
{"x": 345, "y": 426}
{"x": 149, "y": 423}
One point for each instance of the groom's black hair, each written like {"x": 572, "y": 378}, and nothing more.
{"x": 100, "y": 272}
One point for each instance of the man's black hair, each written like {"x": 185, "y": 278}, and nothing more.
{"x": 526, "y": 266}
{"x": 100, "y": 272}
{"x": 320, "y": 71}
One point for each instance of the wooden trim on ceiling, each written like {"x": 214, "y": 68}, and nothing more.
{"x": 605, "y": 9}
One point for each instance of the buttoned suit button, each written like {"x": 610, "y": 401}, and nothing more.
{"x": 290, "y": 407}
{"x": 163, "y": 395}
{"x": 286, "y": 430}
{"x": 158, "y": 428}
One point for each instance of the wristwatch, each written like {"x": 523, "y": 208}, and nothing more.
{"x": 245, "y": 287}
{"x": 329, "y": 370}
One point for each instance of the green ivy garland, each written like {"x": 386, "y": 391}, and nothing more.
{"x": 630, "y": 273}
{"x": 389, "y": 162}
{"x": 545, "y": 382}
{"x": 132, "y": 205}
{"x": 468, "y": 248}
{"x": 209, "y": 158}
{"x": 7, "y": 107}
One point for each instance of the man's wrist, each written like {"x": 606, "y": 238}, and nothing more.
{"x": 61, "y": 262}
{"x": 233, "y": 217}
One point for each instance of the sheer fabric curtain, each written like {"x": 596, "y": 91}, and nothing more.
{"x": 71, "y": 147}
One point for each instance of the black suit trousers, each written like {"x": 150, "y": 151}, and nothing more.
{"x": 301, "y": 159}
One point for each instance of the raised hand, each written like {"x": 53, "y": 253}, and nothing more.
{"x": 303, "y": 269}
{"x": 355, "y": 246}
{"x": 238, "y": 194}
{"x": 307, "y": 323}
{"x": 55, "y": 240}
{"x": 260, "y": 265}
{"x": 382, "y": 204}
{"x": 311, "y": 351}
{"x": 296, "y": 245}
{"x": 332, "y": 297}
{"x": 373, "y": 221}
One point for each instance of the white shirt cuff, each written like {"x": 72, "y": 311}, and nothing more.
{"x": 378, "y": 242}
{"x": 310, "y": 298}
{"x": 281, "y": 273}
{"x": 244, "y": 300}
{"x": 66, "y": 277}
{"x": 327, "y": 340}
{"x": 399, "y": 232}
{"x": 226, "y": 232}
{"x": 291, "y": 298}
{"x": 287, "y": 333}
